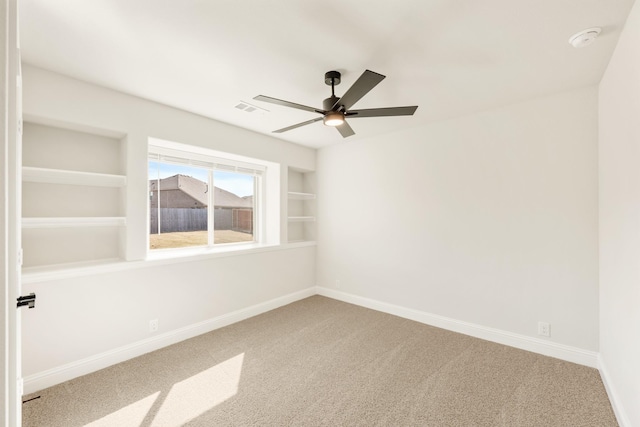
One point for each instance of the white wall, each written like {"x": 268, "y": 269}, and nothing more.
{"x": 77, "y": 318}
{"x": 619, "y": 157}
{"x": 80, "y": 317}
{"x": 490, "y": 219}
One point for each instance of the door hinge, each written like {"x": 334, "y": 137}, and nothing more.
{"x": 20, "y": 257}
{"x": 29, "y": 300}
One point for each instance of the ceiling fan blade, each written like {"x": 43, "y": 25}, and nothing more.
{"x": 287, "y": 104}
{"x": 308, "y": 122}
{"x": 367, "y": 81}
{"x": 381, "y": 112}
{"x": 345, "y": 130}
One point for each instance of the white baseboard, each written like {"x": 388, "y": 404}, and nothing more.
{"x": 547, "y": 348}
{"x": 66, "y": 372}
{"x": 618, "y": 409}
{"x": 63, "y": 373}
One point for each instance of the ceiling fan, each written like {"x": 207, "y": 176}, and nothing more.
{"x": 336, "y": 110}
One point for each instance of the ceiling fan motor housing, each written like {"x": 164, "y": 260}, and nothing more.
{"x": 327, "y": 104}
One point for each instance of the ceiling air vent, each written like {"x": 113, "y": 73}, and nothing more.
{"x": 249, "y": 108}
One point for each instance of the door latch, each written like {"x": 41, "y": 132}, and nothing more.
{"x": 29, "y": 300}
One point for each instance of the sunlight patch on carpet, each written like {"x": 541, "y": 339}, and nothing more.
{"x": 131, "y": 415}
{"x": 196, "y": 395}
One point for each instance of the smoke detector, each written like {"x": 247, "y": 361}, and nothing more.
{"x": 584, "y": 37}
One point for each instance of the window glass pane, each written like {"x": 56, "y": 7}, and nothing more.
{"x": 178, "y": 202}
{"x": 233, "y": 201}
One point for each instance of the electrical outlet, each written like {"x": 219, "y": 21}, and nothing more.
{"x": 337, "y": 283}
{"x": 153, "y": 325}
{"x": 544, "y": 329}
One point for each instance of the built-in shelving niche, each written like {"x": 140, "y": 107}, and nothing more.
{"x": 301, "y": 206}
{"x": 73, "y": 209}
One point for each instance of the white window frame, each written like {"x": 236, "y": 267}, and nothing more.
{"x": 266, "y": 213}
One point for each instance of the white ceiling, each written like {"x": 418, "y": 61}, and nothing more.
{"x": 448, "y": 57}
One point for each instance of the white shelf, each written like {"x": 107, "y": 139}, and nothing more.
{"x": 294, "y": 195}
{"x": 73, "y": 222}
{"x": 60, "y": 176}
{"x": 301, "y": 218}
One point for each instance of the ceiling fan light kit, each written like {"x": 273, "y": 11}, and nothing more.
{"x": 334, "y": 119}
{"x": 337, "y": 109}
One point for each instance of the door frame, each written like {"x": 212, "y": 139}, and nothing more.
{"x": 10, "y": 160}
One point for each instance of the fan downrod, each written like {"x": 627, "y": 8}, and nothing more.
{"x": 331, "y": 78}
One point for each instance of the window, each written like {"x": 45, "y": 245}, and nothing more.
{"x": 198, "y": 199}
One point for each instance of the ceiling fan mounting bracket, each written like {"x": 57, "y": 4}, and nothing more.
{"x": 332, "y": 78}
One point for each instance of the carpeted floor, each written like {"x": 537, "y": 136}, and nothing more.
{"x": 321, "y": 362}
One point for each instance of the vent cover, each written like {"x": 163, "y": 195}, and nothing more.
{"x": 249, "y": 108}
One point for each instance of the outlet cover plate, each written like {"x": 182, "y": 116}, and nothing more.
{"x": 544, "y": 329}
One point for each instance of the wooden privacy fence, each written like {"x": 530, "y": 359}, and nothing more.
{"x": 187, "y": 219}
{"x": 242, "y": 220}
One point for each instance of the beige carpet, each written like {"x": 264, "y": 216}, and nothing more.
{"x": 321, "y": 362}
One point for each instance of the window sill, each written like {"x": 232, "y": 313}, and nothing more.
{"x": 166, "y": 257}
{"x": 206, "y": 251}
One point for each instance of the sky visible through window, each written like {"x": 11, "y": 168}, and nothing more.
{"x": 236, "y": 183}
